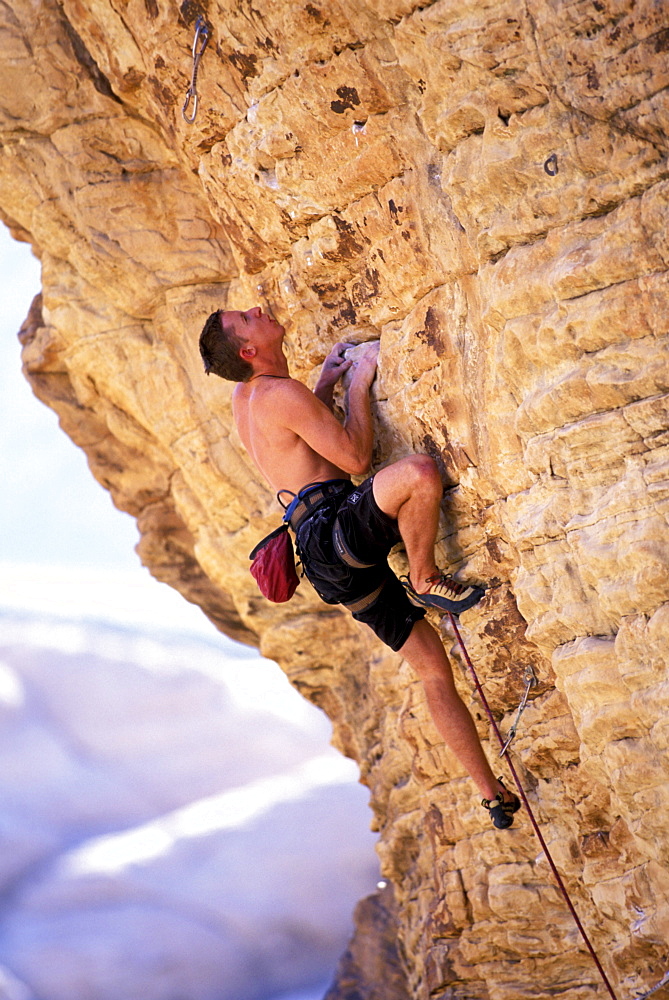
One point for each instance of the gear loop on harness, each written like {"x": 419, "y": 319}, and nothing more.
{"x": 199, "y": 45}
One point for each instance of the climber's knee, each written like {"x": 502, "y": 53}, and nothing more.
{"x": 421, "y": 475}
{"x": 413, "y": 476}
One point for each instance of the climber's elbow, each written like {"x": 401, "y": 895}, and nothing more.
{"x": 355, "y": 451}
{"x": 357, "y": 461}
{"x": 360, "y": 465}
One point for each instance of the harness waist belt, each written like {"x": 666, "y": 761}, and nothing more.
{"x": 311, "y": 497}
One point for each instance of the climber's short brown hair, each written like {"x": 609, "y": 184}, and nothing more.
{"x": 219, "y": 348}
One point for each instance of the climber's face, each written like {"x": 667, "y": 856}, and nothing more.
{"x": 253, "y": 326}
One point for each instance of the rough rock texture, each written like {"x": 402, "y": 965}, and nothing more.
{"x": 484, "y": 186}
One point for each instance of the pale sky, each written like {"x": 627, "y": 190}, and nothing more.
{"x": 51, "y": 508}
{"x": 64, "y": 547}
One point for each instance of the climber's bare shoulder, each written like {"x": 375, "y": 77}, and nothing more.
{"x": 289, "y": 433}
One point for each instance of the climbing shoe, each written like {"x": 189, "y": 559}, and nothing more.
{"x": 501, "y": 811}
{"x": 445, "y": 594}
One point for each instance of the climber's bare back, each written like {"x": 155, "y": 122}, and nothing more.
{"x": 274, "y": 416}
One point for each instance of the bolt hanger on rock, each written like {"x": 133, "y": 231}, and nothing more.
{"x": 551, "y": 165}
{"x": 199, "y": 45}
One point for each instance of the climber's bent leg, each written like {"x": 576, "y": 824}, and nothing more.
{"x": 410, "y": 491}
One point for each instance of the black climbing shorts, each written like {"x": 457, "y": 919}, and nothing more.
{"x": 344, "y": 546}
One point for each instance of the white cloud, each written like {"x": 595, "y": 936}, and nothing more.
{"x": 128, "y": 597}
{"x": 229, "y": 810}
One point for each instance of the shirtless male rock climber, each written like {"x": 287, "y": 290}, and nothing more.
{"x": 345, "y": 532}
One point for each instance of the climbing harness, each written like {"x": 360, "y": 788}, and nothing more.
{"x": 199, "y": 45}
{"x": 530, "y": 682}
{"x": 558, "y": 878}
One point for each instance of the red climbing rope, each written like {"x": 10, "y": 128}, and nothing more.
{"x": 544, "y": 846}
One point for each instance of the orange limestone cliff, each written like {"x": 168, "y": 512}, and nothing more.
{"x": 484, "y": 187}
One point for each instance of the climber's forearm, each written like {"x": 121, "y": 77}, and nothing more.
{"x": 358, "y": 424}
{"x": 325, "y": 392}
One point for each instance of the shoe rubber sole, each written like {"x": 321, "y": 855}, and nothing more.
{"x": 443, "y": 603}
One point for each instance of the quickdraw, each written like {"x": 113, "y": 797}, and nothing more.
{"x": 530, "y": 682}
{"x": 199, "y": 45}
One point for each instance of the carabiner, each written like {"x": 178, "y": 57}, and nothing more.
{"x": 201, "y": 38}
{"x": 201, "y": 28}
{"x": 190, "y": 95}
